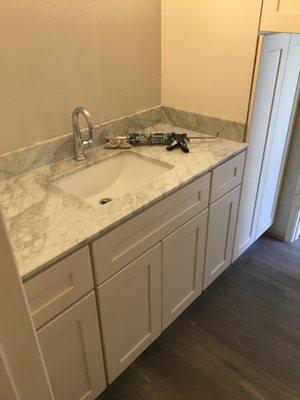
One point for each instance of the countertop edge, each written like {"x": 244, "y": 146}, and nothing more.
{"x": 86, "y": 241}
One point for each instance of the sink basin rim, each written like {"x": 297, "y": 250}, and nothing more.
{"x": 117, "y": 171}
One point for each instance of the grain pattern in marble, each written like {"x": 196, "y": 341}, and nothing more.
{"x": 46, "y": 223}
{"x": 41, "y": 153}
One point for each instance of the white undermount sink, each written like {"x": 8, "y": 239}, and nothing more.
{"x": 111, "y": 178}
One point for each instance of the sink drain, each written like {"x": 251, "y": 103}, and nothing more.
{"x": 105, "y": 201}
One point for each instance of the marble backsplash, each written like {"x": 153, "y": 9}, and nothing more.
{"x": 45, "y": 152}
{"x": 42, "y": 153}
{"x": 204, "y": 124}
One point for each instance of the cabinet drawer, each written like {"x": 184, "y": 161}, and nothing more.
{"x": 121, "y": 246}
{"x": 53, "y": 290}
{"x": 227, "y": 176}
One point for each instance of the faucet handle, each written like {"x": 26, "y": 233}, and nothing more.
{"x": 87, "y": 143}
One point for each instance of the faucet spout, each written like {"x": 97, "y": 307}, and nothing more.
{"x": 79, "y": 143}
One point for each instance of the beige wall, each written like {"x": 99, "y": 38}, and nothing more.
{"x": 57, "y": 54}
{"x": 208, "y": 55}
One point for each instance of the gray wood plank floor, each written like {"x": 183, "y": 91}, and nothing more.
{"x": 239, "y": 341}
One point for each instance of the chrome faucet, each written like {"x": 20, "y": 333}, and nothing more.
{"x": 79, "y": 143}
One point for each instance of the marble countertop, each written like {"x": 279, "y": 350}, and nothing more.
{"x": 46, "y": 223}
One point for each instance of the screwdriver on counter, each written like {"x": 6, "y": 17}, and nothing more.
{"x": 172, "y": 140}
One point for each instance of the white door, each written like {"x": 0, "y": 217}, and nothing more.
{"x": 22, "y": 370}
{"x": 182, "y": 267}
{"x": 281, "y": 16}
{"x": 130, "y": 309}
{"x": 269, "y": 84}
{"x": 277, "y": 143}
{"x": 220, "y": 235}
{"x": 72, "y": 351}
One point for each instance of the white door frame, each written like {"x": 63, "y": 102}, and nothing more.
{"x": 293, "y": 229}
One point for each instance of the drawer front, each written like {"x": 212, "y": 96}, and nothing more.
{"x": 119, "y": 247}
{"x": 53, "y": 290}
{"x": 227, "y": 176}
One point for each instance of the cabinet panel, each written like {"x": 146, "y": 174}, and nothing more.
{"x": 227, "y": 176}
{"x": 277, "y": 143}
{"x": 55, "y": 289}
{"x": 182, "y": 267}
{"x": 281, "y": 16}
{"x": 125, "y": 243}
{"x": 72, "y": 351}
{"x": 220, "y": 235}
{"x": 267, "y": 97}
{"x": 130, "y": 308}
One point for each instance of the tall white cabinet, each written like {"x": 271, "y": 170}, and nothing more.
{"x": 272, "y": 119}
{"x": 271, "y": 74}
{"x": 277, "y": 142}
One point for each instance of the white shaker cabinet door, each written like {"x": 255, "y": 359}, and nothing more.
{"x": 130, "y": 311}
{"x": 182, "y": 267}
{"x": 277, "y": 143}
{"x": 71, "y": 348}
{"x": 265, "y": 108}
{"x": 220, "y": 236}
